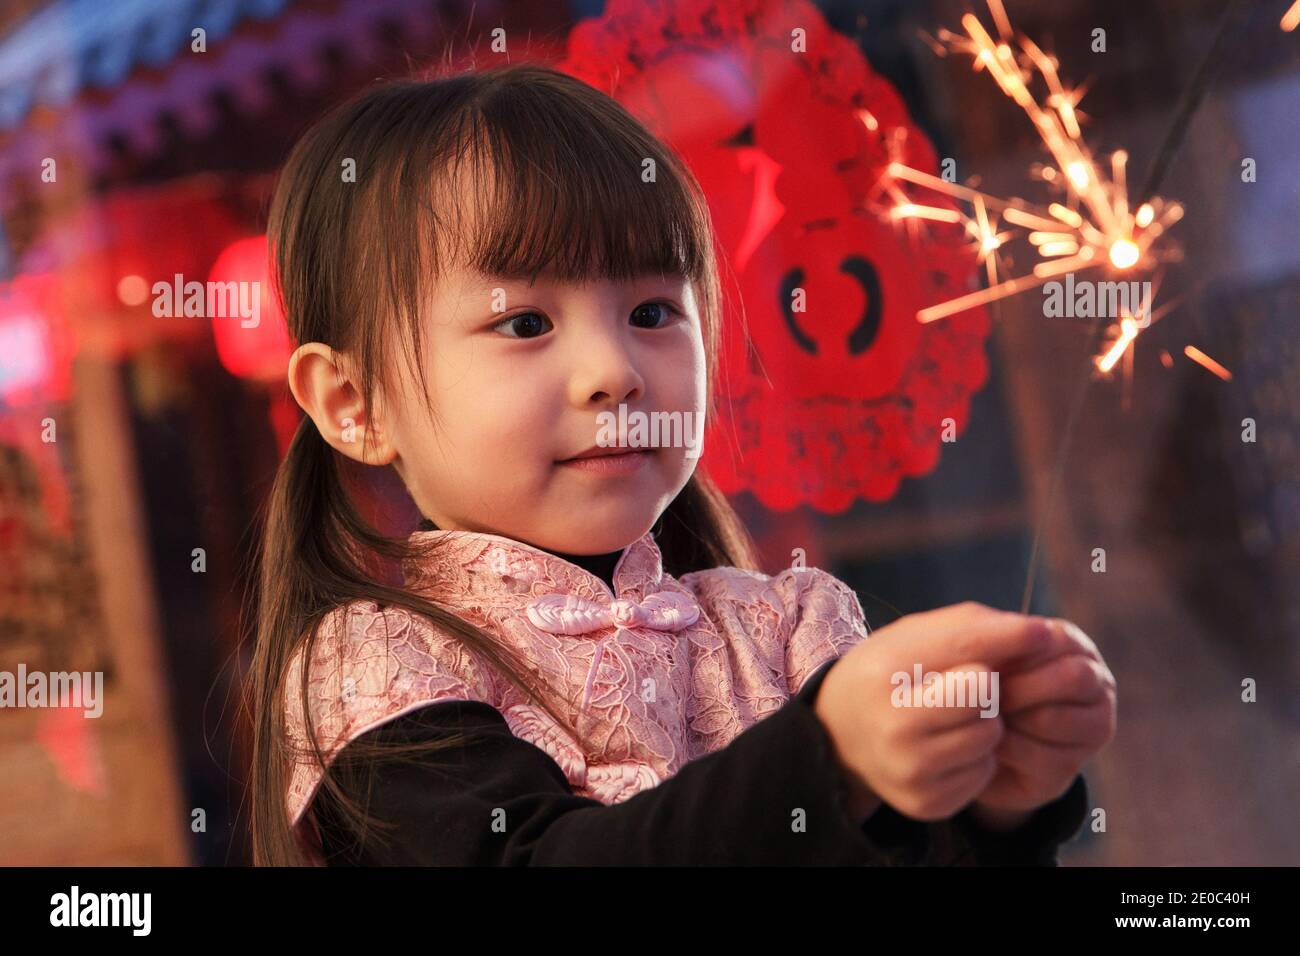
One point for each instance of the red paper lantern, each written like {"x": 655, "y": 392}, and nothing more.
{"x": 837, "y": 392}
{"x": 256, "y": 346}
{"x": 36, "y": 344}
{"x": 37, "y": 348}
{"x": 110, "y": 251}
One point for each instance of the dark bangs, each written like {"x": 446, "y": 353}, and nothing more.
{"x": 514, "y": 171}
{"x": 554, "y": 175}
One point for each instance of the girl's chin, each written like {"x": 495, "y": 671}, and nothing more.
{"x": 601, "y": 526}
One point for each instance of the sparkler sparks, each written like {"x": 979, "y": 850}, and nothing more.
{"x": 1128, "y": 332}
{"x": 1093, "y": 229}
{"x": 1291, "y": 19}
{"x": 1200, "y": 358}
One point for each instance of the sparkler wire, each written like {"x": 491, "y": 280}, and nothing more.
{"x": 1192, "y": 96}
{"x": 1076, "y": 405}
{"x": 1189, "y": 102}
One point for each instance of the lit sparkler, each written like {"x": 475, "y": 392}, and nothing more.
{"x": 1094, "y": 228}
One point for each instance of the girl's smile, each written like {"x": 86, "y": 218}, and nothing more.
{"x": 610, "y": 462}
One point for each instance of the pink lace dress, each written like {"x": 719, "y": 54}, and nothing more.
{"x": 656, "y": 674}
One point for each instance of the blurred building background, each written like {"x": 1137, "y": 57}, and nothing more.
{"x": 126, "y": 533}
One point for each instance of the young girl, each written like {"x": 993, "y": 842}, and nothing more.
{"x": 581, "y": 662}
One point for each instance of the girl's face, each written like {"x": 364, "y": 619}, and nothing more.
{"x": 518, "y": 374}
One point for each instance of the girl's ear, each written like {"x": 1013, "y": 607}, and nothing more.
{"x": 322, "y": 382}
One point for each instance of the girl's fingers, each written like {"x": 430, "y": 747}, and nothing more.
{"x": 972, "y": 631}
{"x": 952, "y": 790}
{"x": 958, "y": 747}
{"x": 1078, "y": 639}
{"x": 970, "y": 778}
{"x": 1064, "y": 638}
{"x": 1071, "y": 679}
{"x": 964, "y": 692}
{"x": 1083, "y": 725}
{"x": 1037, "y": 759}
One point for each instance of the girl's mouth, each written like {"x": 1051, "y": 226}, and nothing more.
{"x": 620, "y": 464}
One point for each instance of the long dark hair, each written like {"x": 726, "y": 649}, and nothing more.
{"x": 353, "y": 259}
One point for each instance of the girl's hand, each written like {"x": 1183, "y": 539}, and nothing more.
{"x": 925, "y": 762}
{"x": 1058, "y": 710}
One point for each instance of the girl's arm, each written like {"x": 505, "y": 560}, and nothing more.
{"x": 735, "y": 806}
{"x": 774, "y": 795}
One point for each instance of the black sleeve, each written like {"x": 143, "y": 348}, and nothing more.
{"x": 774, "y": 795}
{"x": 1033, "y": 843}
{"x": 961, "y": 841}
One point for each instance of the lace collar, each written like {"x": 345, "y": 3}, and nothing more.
{"x": 467, "y": 566}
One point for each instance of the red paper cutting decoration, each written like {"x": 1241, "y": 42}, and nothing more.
{"x": 837, "y": 392}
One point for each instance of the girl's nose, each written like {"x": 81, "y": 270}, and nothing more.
{"x": 606, "y": 373}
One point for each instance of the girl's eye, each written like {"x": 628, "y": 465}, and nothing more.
{"x": 522, "y": 329}
{"x": 529, "y": 325}
{"x": 649, "y": 312}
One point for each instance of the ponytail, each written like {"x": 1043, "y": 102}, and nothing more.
{"x": 318, "y": 554}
